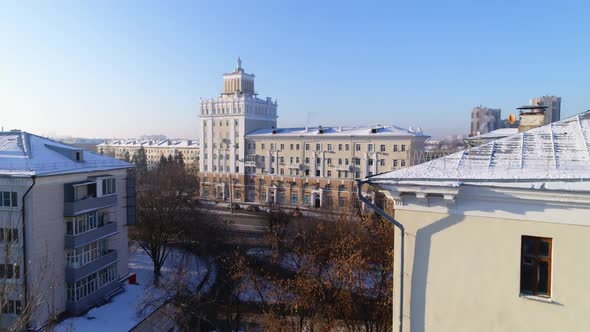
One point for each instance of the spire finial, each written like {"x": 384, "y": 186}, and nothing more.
{"x": 239, "y": 64}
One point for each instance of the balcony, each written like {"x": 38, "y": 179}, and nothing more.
{"x": 73, "y": 274}
{"x": 344, "y": 168}
{"x": 89, "y": 204}
{"x": 295, "y": 166}
{"x": 76, "y": 241}
{"x": 95, "y": 298}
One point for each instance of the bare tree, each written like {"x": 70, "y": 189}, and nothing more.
{"x": 165, "y": 205}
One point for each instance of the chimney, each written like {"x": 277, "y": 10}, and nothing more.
{"x": 531, "y": 117}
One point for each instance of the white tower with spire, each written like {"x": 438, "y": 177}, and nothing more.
{"x": 225, "y": 120}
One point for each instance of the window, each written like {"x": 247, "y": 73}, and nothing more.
{"x": 357, "y": 147}
{"x": 403, "y": 147}
{"x": 307, "y": 160}
{"x": 306, "y": 199}
{"x": 12, "y": 307}
{"x": 382, "y": 162}
{"x": 109, "y": 186}
{"x": 382, "y": 147}
{"x": 81, "y": 224}
{"x": 394, "y": 147}
{"x": 535, "y": 265}
{"x": 8, "y": 235}
{"x": 370, "y": 147}
{"x": 357, "y": 161}
{"x": 86, "y": 254}
{"x": 294, "y": 198}
{"x": 329, "y": 147}
{"x": 329, "y": 161}
{"x": 272, "y": 146}
{"x": 262, "y": 146}
{"x": 317, "y": 172}
{"x": 395, "y": 163}
{"x": 339, "y": 161}
{"x": 342, "y": 187}
{"x": 403, "y": 163}
{"x": 91, "y": 283}
{"x": 283, "y": 147}
{"x": 306, "y": 147}
{"x": 370, "y": 162}
{"x": 347, "y": 147}
{"x": 318, "y": 161}
{"x": 8, "y": 199}
{"x": 9, "y": 271}
{"x": 318, "y": 147}
{"x": 339, "y": 147}
{"x": 290, "y": 146}
{"x": 341, "y": 201}
{"x": 329, "y": 173}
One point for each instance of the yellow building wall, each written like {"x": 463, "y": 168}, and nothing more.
{"x": 463, "y": 274}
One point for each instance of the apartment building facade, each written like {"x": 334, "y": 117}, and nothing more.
{"x": 126, "y": 149}
{"x": 553, "y": 104}
{"x": 64, "y": 217}
{"x": 485, "y": 120}
{"x": 246, "y": 158}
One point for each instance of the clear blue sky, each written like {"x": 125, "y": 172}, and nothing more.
{"x": 123, "y": 68}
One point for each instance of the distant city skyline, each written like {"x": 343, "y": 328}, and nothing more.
{"x": 110, "y": 69}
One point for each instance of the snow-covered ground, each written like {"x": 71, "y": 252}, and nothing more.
{"x": 125, "y": 309}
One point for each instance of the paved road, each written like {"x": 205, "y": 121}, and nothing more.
{"x": 245, "y": 222}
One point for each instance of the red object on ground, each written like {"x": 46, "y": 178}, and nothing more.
{"x": 133, "y": 279}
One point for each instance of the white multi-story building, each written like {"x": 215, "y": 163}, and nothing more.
{"x": 553, "y": 104}
{"x": 64, "y": 211}
{"x": 245, "y": 157}
{"x": 225, "y": 120}
{"x": 154, "y": 150}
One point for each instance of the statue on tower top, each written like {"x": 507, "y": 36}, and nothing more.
{"x": 239, "y": 68}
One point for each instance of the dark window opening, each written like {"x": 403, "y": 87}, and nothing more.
{"x": 535, "y": 266}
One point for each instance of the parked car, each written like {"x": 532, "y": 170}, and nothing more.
{"x": 252, "y": 208}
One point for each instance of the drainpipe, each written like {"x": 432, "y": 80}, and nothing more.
{"x": 33, "y": 177}
{"x": 389, "y": 218}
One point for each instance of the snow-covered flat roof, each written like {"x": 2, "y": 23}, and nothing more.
{"x": 554, "y": 152}
{"x": 337, "y": 131}
{"x": 498, "y": 133}
{"x": 25, "y": 154}
{"x": 167, "y": 143}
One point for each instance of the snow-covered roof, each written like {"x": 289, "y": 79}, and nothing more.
{"x": 167, "y": 143}
{"x": 337, "y": 131}
{"x": 25, "y": 154}
{"x": 554, "y": 152}
{"x": 498, "y": 133}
